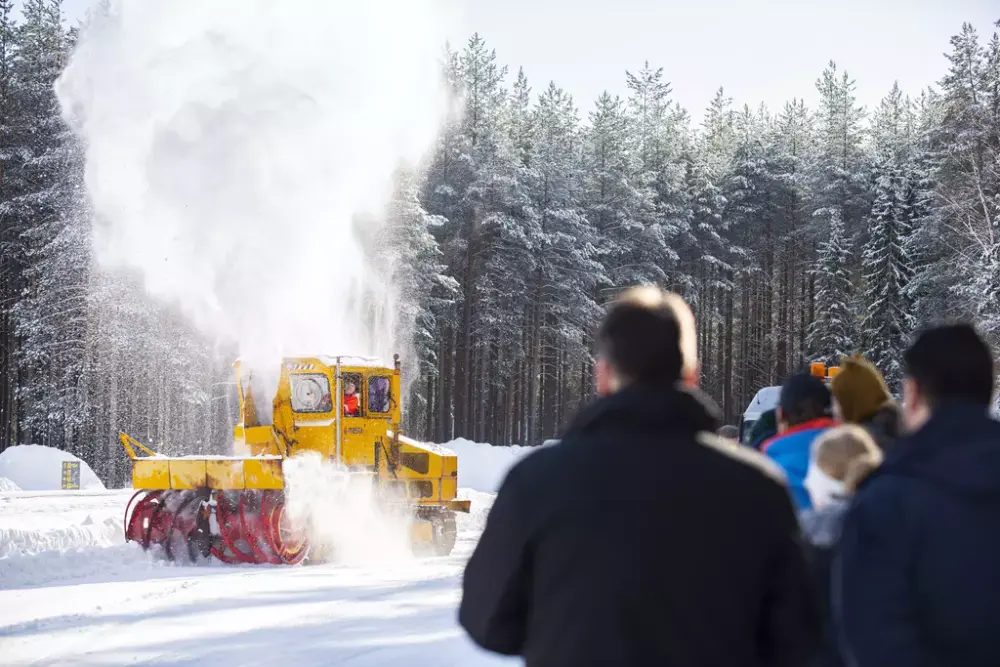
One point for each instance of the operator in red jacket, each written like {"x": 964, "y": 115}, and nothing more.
{"x": 350, "y": 399}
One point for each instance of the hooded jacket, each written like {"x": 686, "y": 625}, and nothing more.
{"x": 641, "y": 538}
{"x": 916, "y": 576}
{"x": 791, "y": 449}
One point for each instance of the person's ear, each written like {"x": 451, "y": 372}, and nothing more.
{"x": 915, "y": 408}
{"x": 689, "y": 377}
{"x": 779, "y": 419}
{"x": 604, "y": 377}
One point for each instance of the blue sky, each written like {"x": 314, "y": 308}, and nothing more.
{"x": 760, "y": 51}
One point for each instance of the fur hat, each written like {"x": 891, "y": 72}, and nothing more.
{"x": 859, "y": 389}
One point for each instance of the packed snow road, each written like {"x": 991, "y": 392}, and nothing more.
{"x": 72, "y": 593}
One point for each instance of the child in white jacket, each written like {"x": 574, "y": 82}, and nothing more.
{"x": 841, "y": 458}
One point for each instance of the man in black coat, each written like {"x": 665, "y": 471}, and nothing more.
{"x": 917, "y": 571}
{"x": 642, "y": 538}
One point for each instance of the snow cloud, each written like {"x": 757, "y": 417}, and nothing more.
{"x": 230, "y": 144}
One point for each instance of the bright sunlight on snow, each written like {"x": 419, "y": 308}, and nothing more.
{"x": 73, "y": 592}
{"x": 39, "y": 468}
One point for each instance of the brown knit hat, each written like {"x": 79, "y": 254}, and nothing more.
{"x": 859, "y": 389}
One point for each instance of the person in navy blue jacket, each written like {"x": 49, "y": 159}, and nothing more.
{"x": 803, "y": 412}
{"x": 641, "y": 538}
{"x": 917, "y": 573}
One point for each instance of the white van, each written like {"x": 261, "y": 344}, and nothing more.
{"x": 765, "y": 399}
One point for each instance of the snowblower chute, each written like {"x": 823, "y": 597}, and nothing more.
{"x": 232, "y": 508}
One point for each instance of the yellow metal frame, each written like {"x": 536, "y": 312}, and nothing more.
{"x": 155, "y": 471}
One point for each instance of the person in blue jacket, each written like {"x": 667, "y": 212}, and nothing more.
{"x": 804, "y": 411}
{"x": 917, "y": 571}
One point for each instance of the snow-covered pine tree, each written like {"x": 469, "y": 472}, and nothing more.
{"x": 963, "y": 150}
{"x": 493, "y": 216}
{"x": 886, "y": 319}
{"x": 414, "y": 267}
{"x": 840, "y": 180}
{"x": 831, "y": 333}
{"x": 793, "y": 154}
{"x": 887, "y": 269}
{"x": 616, "y": 202}
{"x": 11, "y": 250}
{"x": 760, "y": 208}
{"x": 659, "y": 179}
{"x": 567, "y": 273}
{"x": 50, "y": 315}
{"x": 933, "y": 275}
{"x": 710, "y": 252}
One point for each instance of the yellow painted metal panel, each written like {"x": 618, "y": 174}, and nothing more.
{"x": 224, "y": 474}
{"x": 187, "y": 473}
{"x": 397, "y": 413}
{"x": 449, "y": 466}
{"x": 449, "y": 488}
{"x": 151, "y": 473}
{"x": 263, "y": 474}
{"x": 260, "y": 440}
{"x": 458, "y": 505}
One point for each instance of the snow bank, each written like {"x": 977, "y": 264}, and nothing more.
{"x": 39, "y": 468}
{"x": 106, "y": 532}
{"x": 482, "y": 467}
{"x": 43, "y": 534}
{"x": 7, "y": 486}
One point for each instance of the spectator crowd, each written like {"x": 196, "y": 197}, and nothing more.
{"x": 855, "y": 530}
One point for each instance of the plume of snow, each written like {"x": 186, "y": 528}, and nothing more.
{"x": 342, "y": 515}
{"x": 231, "y": 145}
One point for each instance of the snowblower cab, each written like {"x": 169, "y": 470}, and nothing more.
{"x": 346, "y": 410}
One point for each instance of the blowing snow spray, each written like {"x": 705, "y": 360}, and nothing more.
{"x": 230, "y": 146}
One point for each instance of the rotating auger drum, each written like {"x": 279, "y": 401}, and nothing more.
{"x": 240, "y": 526}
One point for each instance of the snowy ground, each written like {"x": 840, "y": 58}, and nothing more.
{"x": 72, "y": 593}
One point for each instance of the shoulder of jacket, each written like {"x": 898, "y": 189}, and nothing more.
{"x": 883, "y": 494}
{"x": 744, "y": 455}
{"x": 534, "y": 464}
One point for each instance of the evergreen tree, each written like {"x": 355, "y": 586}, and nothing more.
{"x": 50, "y": 316}
{"x": 414, "y": 267}
{"x": 831, "y": 334}
{"x": 888, "y": 320}
{"x": 962, "y": 152}
{"x": 616, "y": 201}
{"x": 654, "y": 132}
{"x": 11, "y": 249}
{"x": 564, "y": 310}
{"x": 523, "y": 221}
{"x": 840, "y": 179}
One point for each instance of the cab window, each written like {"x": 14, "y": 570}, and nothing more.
{"x": 311, "y": 392}
{"x": 379, "y": 394}
{"x": 351, "y": 388}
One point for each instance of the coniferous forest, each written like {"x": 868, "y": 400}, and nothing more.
{"x": 797, "y": 233}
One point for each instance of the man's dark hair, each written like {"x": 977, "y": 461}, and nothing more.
{"x": 641, "y": 336}
{"x": 951, "y": 363}
{"x": 804, "y": 397}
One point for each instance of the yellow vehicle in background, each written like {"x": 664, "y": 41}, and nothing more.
{"x": 346, "y": 410}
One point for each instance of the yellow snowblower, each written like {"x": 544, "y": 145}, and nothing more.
{"x": 346, "y": 409}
